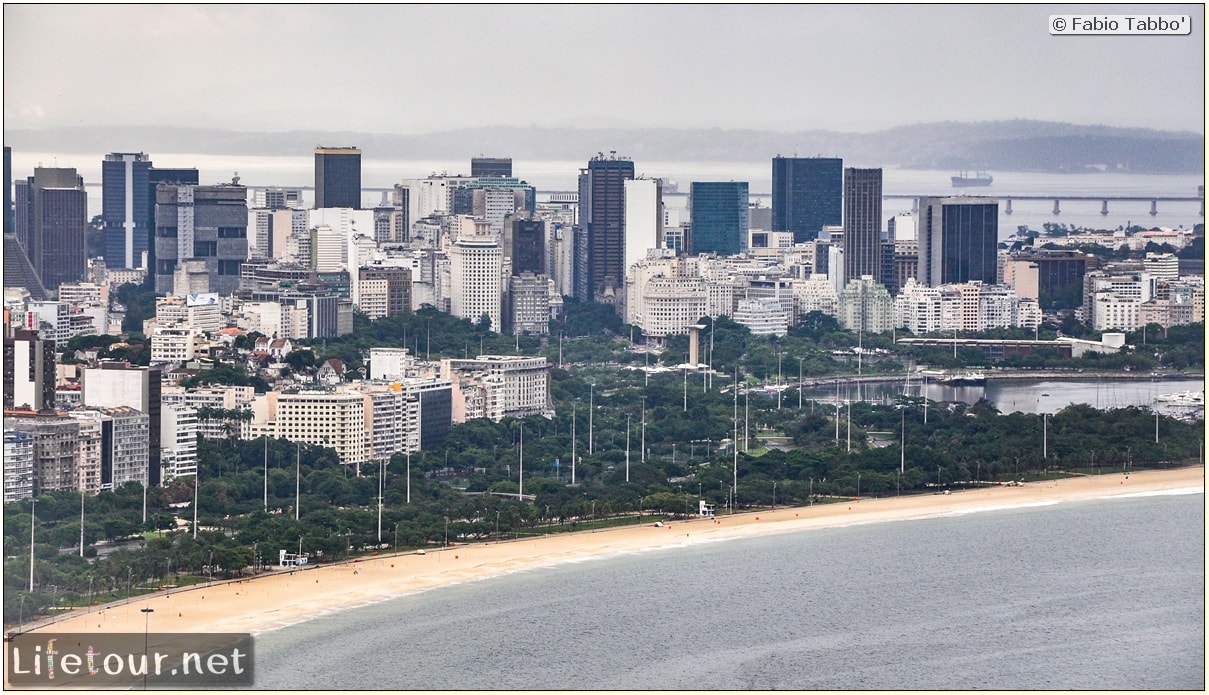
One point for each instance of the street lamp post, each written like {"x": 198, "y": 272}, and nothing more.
{"x": 146, "y": 623}
{"x": 381, "y": 482}
{"x": 1044, "y": 437}
{"x": 627, "y": 447}
{"x": 800, "y": 382}
{"x": 779, "y": 354}
{"x": 196, "y": 477}
{"x": 32, "y": 524}
{"x": 774, "y": 494}
{"x": 446, "y": 532}
{"x": 858, "y": 486}
{"x": 642, "y": 443}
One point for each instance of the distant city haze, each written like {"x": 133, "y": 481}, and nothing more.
{"x": 431, "y": 68}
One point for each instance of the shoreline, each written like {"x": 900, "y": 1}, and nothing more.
{"x": 286, "y": 597}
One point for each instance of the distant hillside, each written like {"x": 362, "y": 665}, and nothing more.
{"x": 1019, "y": 145}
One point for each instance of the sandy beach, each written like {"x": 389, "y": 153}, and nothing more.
{"x": 284, "y": 597}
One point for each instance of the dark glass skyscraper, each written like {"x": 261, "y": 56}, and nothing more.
{"x": 9, "y": 224}
{"x": 528, "y": 244}
{"x": 862, "y": 224}
{"x": 491, "y": 166}
{"x": 338, "y": 177}
{"x": 125, "y": 207}
{"x": 57, "y": 226}
{"x": 719, "y": 217}
{"x": 600, "y": 236}
{"x": 958, "y": 240}
{"x": 806, "y": 195}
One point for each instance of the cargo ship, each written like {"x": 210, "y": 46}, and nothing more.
{"x": 980, "y": 179}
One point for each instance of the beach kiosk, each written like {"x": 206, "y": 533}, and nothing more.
{"x": 705, "y": 508}
{"x": 288, "y": 559}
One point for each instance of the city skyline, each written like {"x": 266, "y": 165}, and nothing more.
{"x": 771, "y": 67}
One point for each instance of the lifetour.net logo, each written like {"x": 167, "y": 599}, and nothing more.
{"x": 123, "y": 660}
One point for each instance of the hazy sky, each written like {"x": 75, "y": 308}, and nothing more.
{"x": 421, "y": 68}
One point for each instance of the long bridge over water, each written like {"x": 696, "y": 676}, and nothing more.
{"x": 1104, "y": 199}
{"x": 571, "y": 196}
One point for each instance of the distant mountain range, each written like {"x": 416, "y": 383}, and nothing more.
{"x": 1018, "y": 145}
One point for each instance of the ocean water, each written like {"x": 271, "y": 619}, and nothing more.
{"x": 1097, "y": 594}
{"x": 1018, "y": 395}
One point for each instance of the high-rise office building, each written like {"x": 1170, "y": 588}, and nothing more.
{"x": 392, "y": 291}
{"x": 119, "y": 385}
{"x": 644, "y": 215}
{"x": 55, "y": 225}
{"x": 806, "y": 195}
{"x": 8, "y": 191}
{"x": 528, "y": 304}
{"x": 719, "y": 217}
{"x": 958, "y": 240}
{"x": 600, "y": 236}
{"x": 527, "y": 249}
{"x": 124, "y": 208}
{"x": 338, "y": 177}
{"x": 154, "y": 178}
{"x": 202, "y": 223}
{"x": 29, "y": 372}
{"x": 475, "y": 268}
{"x": 862, "y": 224}
{"x": 491, "y": 166}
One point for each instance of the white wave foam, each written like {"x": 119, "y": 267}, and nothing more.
{"x": 1164, "y": 493}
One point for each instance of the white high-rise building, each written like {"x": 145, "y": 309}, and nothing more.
{"x": 815, "y": 293}
{"x": 259, "y": 223}
{"x": 332, "y": 419}
{"x": 202, "y": 313}
{"x": 174, "y": 345}
{"x": 178, "y": 440}
{"x": 18, "y": 465}
{"x": 329, "y": 249}
{"x": 1164, "y": 266}
{"x": 643, "y": 218}
{"x": 390, "y": 364}
{"x": 498, "y": 386}
{"x": 917, "y": 308}
{"x": 866, "y": 305}
{"x": 475, "y": 273}
{"x": 762, "y": 316}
